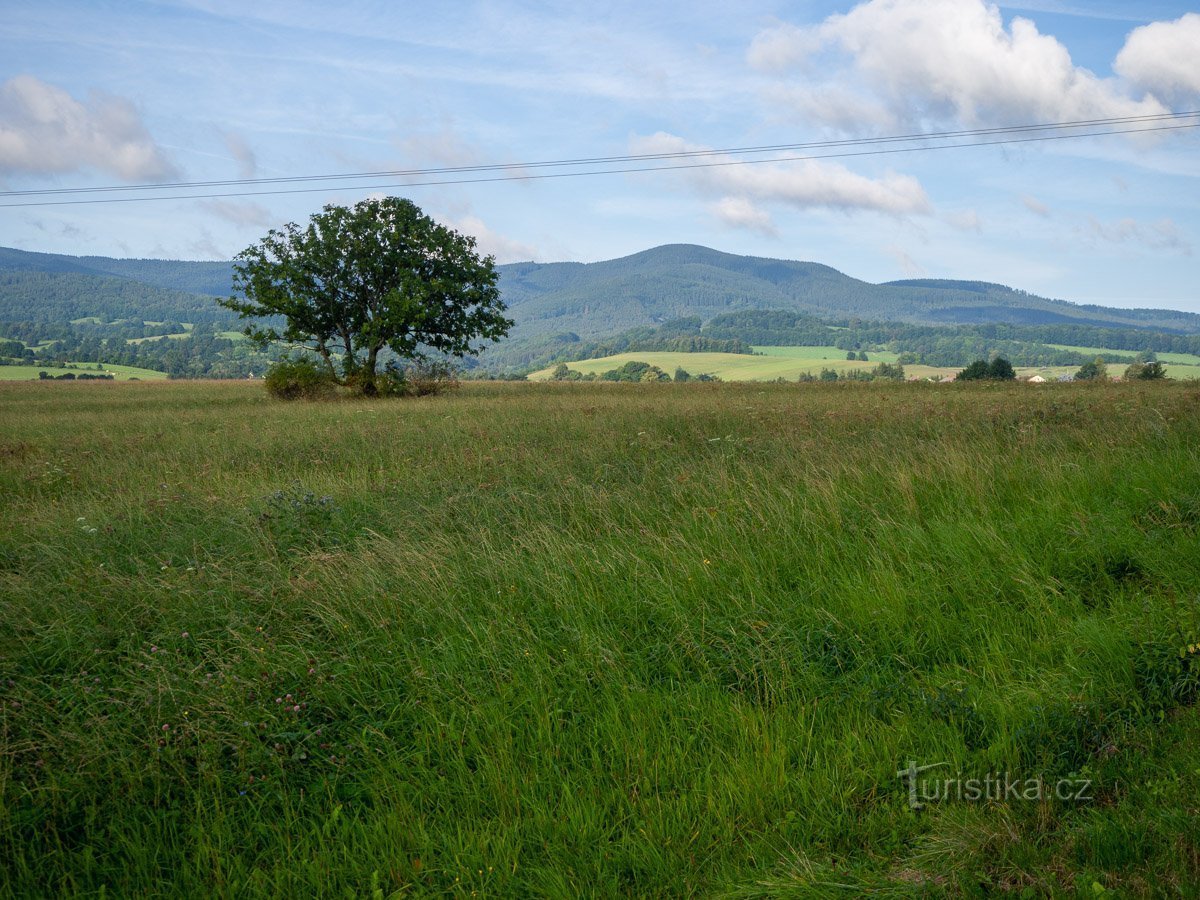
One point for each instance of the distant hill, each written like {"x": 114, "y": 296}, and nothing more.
{"x": 59, "y": 297}
{"x": 679, "y": 280}
{"x": 185, "y": 276}
{"x": 590, "y": 300}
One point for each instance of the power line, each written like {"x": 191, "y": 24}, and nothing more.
{"x": 1029, "y": 134}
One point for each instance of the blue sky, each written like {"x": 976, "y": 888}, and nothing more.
{"x": 110, "y": 93}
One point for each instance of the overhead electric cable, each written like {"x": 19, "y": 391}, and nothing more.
{"x": 527, "y": 171}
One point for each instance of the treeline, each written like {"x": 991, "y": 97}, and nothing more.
{"x": 60, "y": 297}
{"x": 684, "y": 335}
{"x": 954, "y": 345}
{"x": 632, "y": 371}
{"x": 203, "y": 353}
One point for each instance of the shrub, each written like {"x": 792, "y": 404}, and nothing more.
{"x": 976, "y": 371}
{"x": 296, "y": 379}
{"x": 419, "y": 378}
{"x": 1145, "y": 371}
{"x": 1095, "y": 370}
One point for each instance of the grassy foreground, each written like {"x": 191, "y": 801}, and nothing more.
{"x": 596, "y": 640}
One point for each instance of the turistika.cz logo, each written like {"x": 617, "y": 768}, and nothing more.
{"x": 999, "y": 786}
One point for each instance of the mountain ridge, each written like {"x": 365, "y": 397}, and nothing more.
{"x": 650, "y": 287}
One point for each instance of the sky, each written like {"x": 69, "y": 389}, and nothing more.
{"x": 125, "y": 92}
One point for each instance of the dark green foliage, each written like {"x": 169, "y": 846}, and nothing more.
{"x": 299, "y": 379}
{"x": 1095, "y": 370}
{"x": 999, "y": 369}
{"x": 358, "y": 280}
{"x": 976, "y": 371}
{"x": 1145, "y": 371}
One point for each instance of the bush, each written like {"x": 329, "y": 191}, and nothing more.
{"x": 1095, "y": 370}
{"x": 1145, "y": 371}
{"x": 419, "y": 378}
{"x": 298, "y": 379}
{"x": 999, "y": 369}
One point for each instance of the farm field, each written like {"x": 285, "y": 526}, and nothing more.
{"x": 1183, "y": 359}
{"x": 776, "y": 362}
{"x": 122, "y": 373}
{"x": 791, "y": 362}
{"x": 599, "y": 640}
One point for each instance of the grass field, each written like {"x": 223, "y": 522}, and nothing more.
{"x": 1183, "y": 359}
{"x": 774, "y": 363}
{"x": 557, "y": 640}
{"x": 122, "y": 373}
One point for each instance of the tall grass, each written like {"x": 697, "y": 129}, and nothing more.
{"x": 560, "y": 640}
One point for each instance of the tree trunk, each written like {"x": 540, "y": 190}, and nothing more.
{"x": 368, "y": 373}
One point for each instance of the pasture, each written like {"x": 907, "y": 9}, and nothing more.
{"x": 122, "y": 373}
{"x": 598, "y": 640}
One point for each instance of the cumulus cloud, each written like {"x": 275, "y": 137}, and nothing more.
{"x": 1163, "y": 58}
{"x": 804, "y": 183}
{"x": 931, "y": 61}
{"x": 44, "y": 130}
{"x": 1161, "y": 235}
{"x": 488, "y": 241}
{"x": 242, "y": 153}
{"x": 738, "y": 212}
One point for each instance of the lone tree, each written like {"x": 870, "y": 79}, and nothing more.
{"x": 359, "y": 279}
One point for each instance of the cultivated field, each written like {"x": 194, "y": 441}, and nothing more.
{"x": 598, "y": 640}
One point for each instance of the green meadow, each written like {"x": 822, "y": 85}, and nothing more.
{"x": 768, "y": 363}
{"x": 788, "y": 363}
{"x": 122, "y": 373}
{"x": 561, "y": 639}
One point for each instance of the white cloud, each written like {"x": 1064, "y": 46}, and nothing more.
{"x": 1164, "y": 58}
{"x": 242, "y": 153}
{"x": 443, "y": 147}
{"x": 1035, "y": 206}
{"x": 488, "y": 241}
{"x": 1161, "y": 235}
{"x": 933, "y": 61}
{"x": 45, "y": 130}
{"x": 803, "y": 183}
{"x": 738, "y": 212}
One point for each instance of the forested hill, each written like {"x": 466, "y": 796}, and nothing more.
{"x": 185, "y": 276}
{"x": 592, "y": 300}
{"x": 681, "y": 280}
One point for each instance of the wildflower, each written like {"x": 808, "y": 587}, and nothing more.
{"x": 185, "y": 635}
{"x": 166, "y": 728}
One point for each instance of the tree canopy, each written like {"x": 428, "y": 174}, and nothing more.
{"x": 361, "y": 279}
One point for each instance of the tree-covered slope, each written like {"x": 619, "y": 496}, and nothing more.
{"x": 58, "y": 297}
{"x": 594, "y": 300}
{"x": 186, "y": 276}
{"x": 685, "y": 280}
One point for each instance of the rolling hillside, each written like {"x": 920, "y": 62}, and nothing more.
{"x": 684, "y": 280}
{"x": 602, "y": 298}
